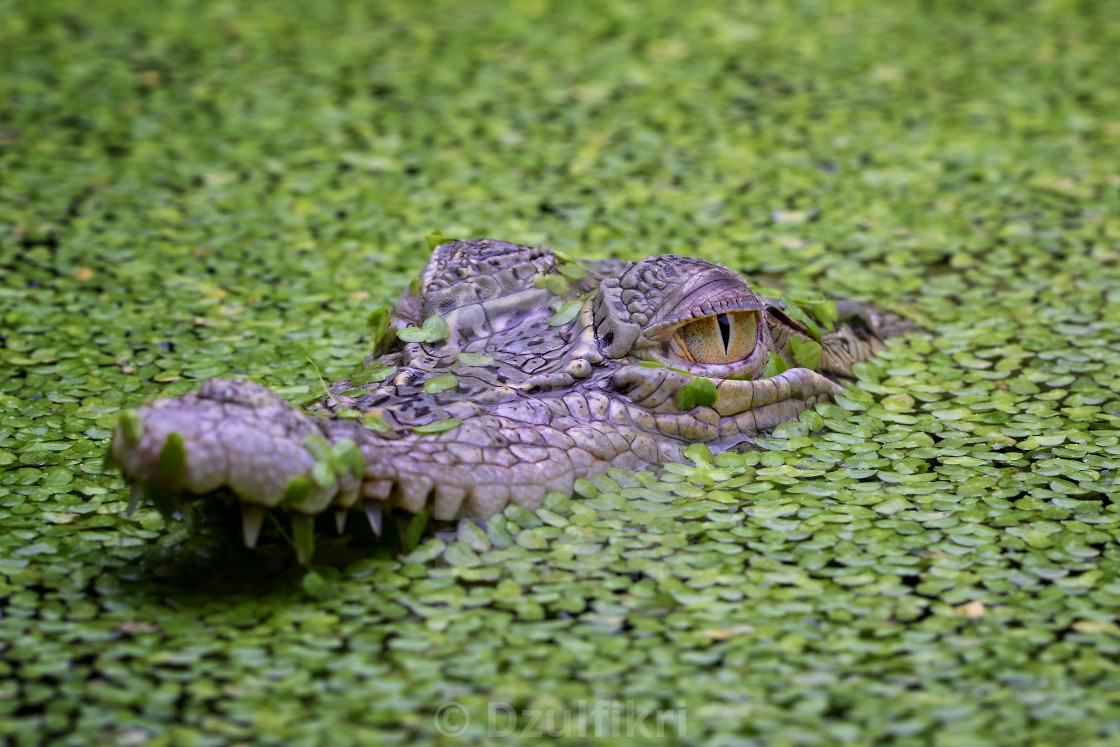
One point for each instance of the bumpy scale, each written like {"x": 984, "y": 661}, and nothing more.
{"x": 509, "y": 373}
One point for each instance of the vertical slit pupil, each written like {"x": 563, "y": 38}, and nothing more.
{"x": 725, "y": 330}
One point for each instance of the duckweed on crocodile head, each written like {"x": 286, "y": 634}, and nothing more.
{"x": 191, "y": 190}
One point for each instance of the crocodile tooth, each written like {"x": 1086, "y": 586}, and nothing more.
{"x": 303, "y": 527}
{"x": 377, "y": 489}
{"x": 448, "y": 500}
{"x": 135, "y": 498}
{"x": 252, "y": 516}
{"x": 373, "y": 513}
{"x": 340, "y": 519}
{"x": 412, "y": 494}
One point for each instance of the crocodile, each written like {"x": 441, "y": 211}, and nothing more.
{"x": 502, "y": 373}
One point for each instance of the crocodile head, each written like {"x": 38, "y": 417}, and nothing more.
{"x": 505, "y": 372}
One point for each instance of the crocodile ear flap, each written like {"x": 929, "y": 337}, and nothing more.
{"x": 616, "y": 331}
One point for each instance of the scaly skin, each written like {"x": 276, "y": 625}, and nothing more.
{"x": 539, "y": 406}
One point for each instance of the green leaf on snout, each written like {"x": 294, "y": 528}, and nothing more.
{"x": 378, "y": 319}
{"x": 572, "y": 271}
{"x": 348, "y": 457}
{"x": 436, "y": 238}
{"x": 323, "y": 474}
{"x": 319, "y": 447}
{"x": 297, "y": 491}
{"x": 823, "y": 311}
{"x": 699, "y": 391}
{"x": 567, "y": 312}
{"x": 434, "y": 329}
{"x": 775, "y": 365}
{"x": 333, "y": 459}
{"x": 132, "y": 427}
{"x": 806, "y": 353}
{"x": 371, "y": 375}
{"x": 379, "y": 322}
{"x": 375, "y": 423}
{"x": 826, "y": 313}
{"x": 795, "y": 312}
{"x": 554, "y": 284}
{"x": 415, "y": 531}
{"x": 172, "y": 456}
{"x": 441, "y": 384}
{"x": 437, "y": 427}
{"x": 655, "y": 364}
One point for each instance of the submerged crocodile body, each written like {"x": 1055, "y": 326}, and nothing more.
{"x": 504, "y": 373}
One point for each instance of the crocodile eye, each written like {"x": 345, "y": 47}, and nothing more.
{"x": 717, "y": 339}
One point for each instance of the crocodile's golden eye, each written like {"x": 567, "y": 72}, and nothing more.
{"x": 717, "y": 339}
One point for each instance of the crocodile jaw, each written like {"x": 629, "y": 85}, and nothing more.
{"x": 240, "y": 437}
